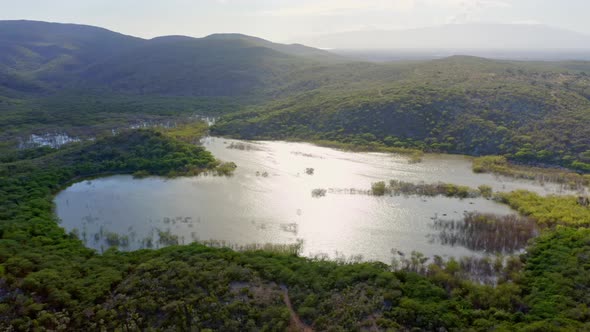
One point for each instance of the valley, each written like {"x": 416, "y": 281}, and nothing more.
{"x": 232, "y": 183}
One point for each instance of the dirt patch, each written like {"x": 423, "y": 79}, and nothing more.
{"x": 296, "y": 323}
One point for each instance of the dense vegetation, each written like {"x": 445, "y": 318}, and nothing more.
{"x": 49, "y": 280}
{"x": 85, "y": 115}
{"x": 549, "y": 210}
{"x": 524, "y": 111}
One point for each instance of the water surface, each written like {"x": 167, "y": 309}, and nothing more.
{"x": 269, "y": 200}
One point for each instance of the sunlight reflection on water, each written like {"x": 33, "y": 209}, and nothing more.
{"x": 278, "y": 207}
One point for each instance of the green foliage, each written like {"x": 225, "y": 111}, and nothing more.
{"x": 485, "y": 191}
{"x": 395, "y": 187}
{"x": 226, "y": 168}
{"x": 378, "y": 188}
{"x": 486, "y": 164}
{"x": 187, "y": 132}
{"x": 548, "y": 210}
{"x": 557, "y": 280}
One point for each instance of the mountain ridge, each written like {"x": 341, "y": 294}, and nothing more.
{"x": 55, "y": 56}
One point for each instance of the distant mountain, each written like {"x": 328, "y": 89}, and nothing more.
{"x": 217, "y": 65}
{"x": 459, "y": 36}
{"x": 37, "y": 56}
{"x": 198, "y": 67}
{"x": 292, "y": 49}
{"x": 48, "y": 50}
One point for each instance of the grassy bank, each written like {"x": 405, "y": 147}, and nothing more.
{"x": 499, "y": 165}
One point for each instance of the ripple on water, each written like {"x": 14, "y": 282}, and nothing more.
{"x": 280, "y": 208}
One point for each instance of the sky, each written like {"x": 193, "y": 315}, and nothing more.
{"x": 293, "y": 20}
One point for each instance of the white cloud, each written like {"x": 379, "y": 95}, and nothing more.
{"x": 340, "y": 7}
{"x": 467, "y": 10}
{"x": 344, "y": 7}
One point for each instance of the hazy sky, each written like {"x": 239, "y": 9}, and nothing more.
{"x": 291, "y": 20}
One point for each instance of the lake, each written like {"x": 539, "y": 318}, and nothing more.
{"x": 269, "y": 200}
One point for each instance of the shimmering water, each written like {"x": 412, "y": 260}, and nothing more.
{"x": 269, "y": 200}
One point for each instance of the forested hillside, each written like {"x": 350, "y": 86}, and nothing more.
{"x": 527, "y": 111}
{"x": 46, "y": 57}
{"x": 72, "y": 76}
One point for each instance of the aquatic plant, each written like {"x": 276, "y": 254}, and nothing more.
{"x": 496, "y": 270}
{"x": 141, "y": 174}
{"x": 501, "y": 166}
{"x": 264, "y": 174}
{"x": 396, "y": 187}
{"x": 319, "y": 192}
{"x": 378, "y": 188}
{"x": 243, "y": 146}
{"x": 486, "y": 232}
{"x": 289, "y": 248}
{"x": 485, "y": 191}
{"x": 225, "y": 168}
{"x": 147, "y": 242}
{"x": 415, "y": 157}
{"x": 166, "y": 238}
{"x": 547, "y": 210}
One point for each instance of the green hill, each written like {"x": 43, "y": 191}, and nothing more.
{"x": 51, "y": 52}
{"x": 199, "y": 67}
{"x": 533, "y": 112}
{"x": 527, "y": 111}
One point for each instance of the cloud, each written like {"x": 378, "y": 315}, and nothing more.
{"x": 464, "y": 8}
{"x": 467, "y": 10}
{"x": 340, "y": 7}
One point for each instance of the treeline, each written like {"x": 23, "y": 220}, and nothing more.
{"x": 86, "y": 114}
